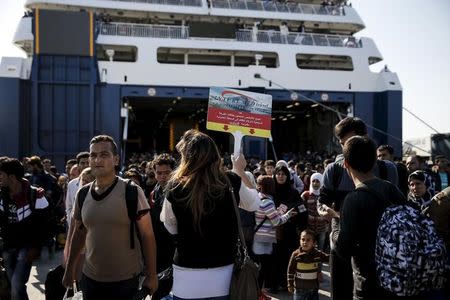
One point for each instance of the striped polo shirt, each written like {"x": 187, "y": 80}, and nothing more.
{"x": 304, "y": 267}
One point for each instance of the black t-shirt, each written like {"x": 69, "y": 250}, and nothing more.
{"x": 215, "y": 245}
{"x": 165, "y": 246}
{"x": 360, "y": 216}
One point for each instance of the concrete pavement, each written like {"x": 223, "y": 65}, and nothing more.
{"x": 36, "y": 289}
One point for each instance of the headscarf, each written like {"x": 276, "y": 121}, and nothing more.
{"x": 282, "y": 191}
{"x": 319, "y": 177}
{"x": 424, "y": 201}
{"x": 282, "y": 163}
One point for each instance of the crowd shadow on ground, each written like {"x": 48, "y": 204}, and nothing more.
{"x": 41, "y": 267}
{"x": 39, "y": 271}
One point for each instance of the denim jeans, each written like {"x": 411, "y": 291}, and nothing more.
{"x": 18, "y": 270}
{"x": 119, "y": 290}
{"x": 320, "y": 238}
{"x": 312, "y": 294}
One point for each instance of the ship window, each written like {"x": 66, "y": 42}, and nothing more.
{"x": 120, "y": 53}
{"x": 170, "y": 58}
{"x": 212, "y": 30}
{"x": 374, "y": 60}
{"x": 324, "y": 62}
{"x": 215, "y": 57}
{"x": 208, "y": 60}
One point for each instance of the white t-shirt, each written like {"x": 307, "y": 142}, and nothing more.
{"x": 72, "y": 189}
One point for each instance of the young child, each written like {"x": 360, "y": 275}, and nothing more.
{"x": 304, "y": 267}
{"x": 318, "y": 224}
{"x": 267, "y": 218}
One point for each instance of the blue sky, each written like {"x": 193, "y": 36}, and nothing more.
{"x": 412, "y": 35}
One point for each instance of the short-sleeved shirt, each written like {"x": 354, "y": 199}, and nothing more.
{"x": 109, "y": 257}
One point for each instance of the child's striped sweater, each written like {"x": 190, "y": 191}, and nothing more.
{"x": 266, "y": 233}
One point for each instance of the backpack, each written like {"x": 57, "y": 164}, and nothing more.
{"x": 131, "y": 198}
{"x": 410, "y": 258}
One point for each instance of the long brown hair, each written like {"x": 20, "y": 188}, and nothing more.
{"x": 200, "y": 173}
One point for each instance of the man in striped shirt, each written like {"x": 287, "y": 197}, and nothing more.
{"x": 304, "y": 267}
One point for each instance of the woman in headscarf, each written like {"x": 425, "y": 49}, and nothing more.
{"x": 285, "y": 198}
{"x": 199, "y": 209}
{"x": 419, "y": 196}
{"x": 318, "y": 224}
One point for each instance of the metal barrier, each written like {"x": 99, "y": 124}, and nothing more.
{"x": 140, "y": 30}
{"x": 242, "y": 35}
{"x": 272, "y": 6}
{"x": 309, "y": 39}
{"x": 166, "y": 2}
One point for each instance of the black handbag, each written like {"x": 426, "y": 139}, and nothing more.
{"x": 244, "y": 281}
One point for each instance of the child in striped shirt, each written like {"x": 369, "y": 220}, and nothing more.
{"x": 304, "y": 267}
{"x": 267, "y": 217}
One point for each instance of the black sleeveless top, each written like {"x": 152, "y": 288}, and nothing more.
{"x": 215, "y": 246}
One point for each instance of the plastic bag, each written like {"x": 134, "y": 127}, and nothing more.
{"x": 77, "y": 295}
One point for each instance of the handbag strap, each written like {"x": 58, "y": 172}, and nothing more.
{"x": 260, "y": 224}
{"x": 241, "y": 239}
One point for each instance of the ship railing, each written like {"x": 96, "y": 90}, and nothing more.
{"x": 166, "y": 2}
{"x": 141, "y": 30}
{"x": 308, "y": 39}
{"x": 273, "y": 6}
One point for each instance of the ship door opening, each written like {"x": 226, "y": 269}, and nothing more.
{"x": 304, "y": 127}
{"x": 156, "y": 124}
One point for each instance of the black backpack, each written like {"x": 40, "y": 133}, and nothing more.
{"x": 131, "y": 197}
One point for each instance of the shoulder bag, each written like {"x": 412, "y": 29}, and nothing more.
{"x": 244, "y": 281}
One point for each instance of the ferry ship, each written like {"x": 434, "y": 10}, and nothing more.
{"x": 141, "y": 70}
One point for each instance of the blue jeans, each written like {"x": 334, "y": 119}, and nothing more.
{"x": 306, "y": 294}
{"x": 18, "y": 270}
{"x": 320, "y": 237}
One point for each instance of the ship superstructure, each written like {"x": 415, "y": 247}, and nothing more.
{"x": 140, "y": 70}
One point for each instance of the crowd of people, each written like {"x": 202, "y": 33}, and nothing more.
{"x": 175, "y": 213}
